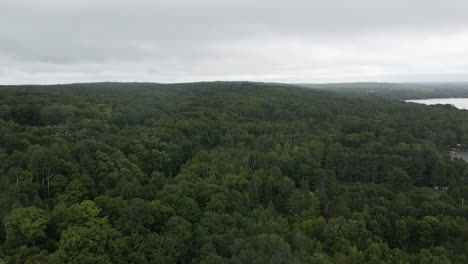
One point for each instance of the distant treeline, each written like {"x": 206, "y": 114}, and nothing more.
{"x": 397, "y": 91}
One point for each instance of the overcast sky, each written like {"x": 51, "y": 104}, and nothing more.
{"x": 258, "y": 40}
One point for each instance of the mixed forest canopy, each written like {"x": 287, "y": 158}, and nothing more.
{"x": 228, "y": 172}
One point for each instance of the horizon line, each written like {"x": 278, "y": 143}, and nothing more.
{"x": 234, "y": 81}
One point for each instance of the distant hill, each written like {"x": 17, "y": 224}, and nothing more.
{"x": 393, "y": 91}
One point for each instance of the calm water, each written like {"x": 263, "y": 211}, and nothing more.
{"x": 460, "y": 103}
{"x": 459, "y": 153}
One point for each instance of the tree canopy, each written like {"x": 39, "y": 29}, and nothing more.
{"x": 228, "y": 172}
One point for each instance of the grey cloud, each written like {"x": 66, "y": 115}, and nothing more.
{"x": 169, "y": 41}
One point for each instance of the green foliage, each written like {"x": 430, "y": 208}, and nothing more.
{"x": 95, "y": 243}
{"x": 229, "y": 172}
{"x": 26, "y": 226}
{"x": 400, "y": 180}
{"x": 263, "y": 249}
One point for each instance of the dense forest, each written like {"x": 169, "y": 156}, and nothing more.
{"x": 228, "y": 172}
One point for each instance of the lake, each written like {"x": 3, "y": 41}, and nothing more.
{"x": 459, "y": 153}
{"x": 460, "y": 103}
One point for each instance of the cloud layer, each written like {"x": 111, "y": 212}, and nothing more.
{"x": 283, "y": 41}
